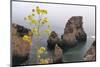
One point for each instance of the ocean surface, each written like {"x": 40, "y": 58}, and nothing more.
{"x": 74, "y": 54}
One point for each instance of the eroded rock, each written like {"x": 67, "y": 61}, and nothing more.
{"x": 74, "y": 31}
{"x": 91, "y": 53}
{"x": 20, "y": 48}
{"x": 58, "y": 53}
{"x": 53, "y": 40}
{"x": 21, "y": 30}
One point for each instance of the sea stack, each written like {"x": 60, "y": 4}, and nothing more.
{"x": 53, "y": 40}
{"x": 74, "y": 32}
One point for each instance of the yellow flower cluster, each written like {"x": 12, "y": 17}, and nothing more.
{"x": 41, "y": 11}
{"x": 38, "y": 11}
{"x": 27, "y": 38}
{"x": 42, "y": 61}
{"x": 45, "y": 61}
{"x": 41, "y": 50}
{"x": 48, "y": 31}
{"x": 35, "y": 31}
{"x": 44, "y": 20}
{"x": 44, "y": 11}
{"x": 31, "y": 19}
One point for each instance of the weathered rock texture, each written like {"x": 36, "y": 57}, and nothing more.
{"x": 91, "y": 53}
{"x": 58, "y": 53}
{"x": 74, "y": 31}
{"x": 21, "y": 31}
{"x": 53, "y": 40}
{"x": 20, "y": 48}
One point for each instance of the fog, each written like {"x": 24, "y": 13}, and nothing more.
{"x": 58, "y": 14}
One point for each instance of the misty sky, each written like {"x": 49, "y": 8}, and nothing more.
{"x": 57, "y": 14}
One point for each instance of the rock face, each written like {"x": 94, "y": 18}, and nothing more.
{"x": 21, "y": 31}
{"x": 53, "y": 40}
{"x": 91, "y": 53}
{"x": 74, "y": 31}
{"x": 20, "y": 48}
{"x": 58, "y": 53}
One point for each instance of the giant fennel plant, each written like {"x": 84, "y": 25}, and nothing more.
{"x": 36, "y": 30}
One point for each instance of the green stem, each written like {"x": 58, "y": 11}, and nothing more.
{"x": 39, "y": 25}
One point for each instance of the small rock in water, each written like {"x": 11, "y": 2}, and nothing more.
{"x": 91, "y": 53}
{"x": 53, "y": 40}
{"x": 58, "y": 53}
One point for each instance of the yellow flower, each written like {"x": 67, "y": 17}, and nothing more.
{"x": 41, "y": 50}
{"x": 34, "y": 30}
{"x": 33, "y": 21}
{"x": 45, "y": 20}
{"x": 27, "y": 38}
{"x": 44, "y": 11}
{"x": 38, "y": 10}
{"x": 47, "y": 31}
{"x": 45, "y": 61}
{"x": 42, "y": 61}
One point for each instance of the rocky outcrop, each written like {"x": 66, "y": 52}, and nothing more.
{"x": 58, "y": 53}
{"x": 21, "y": 31}
{"x": 55, "y": 45}
{"x": 53, "y": 40}
{"x": 91, "y": 53}
{"x": 74, "y": 31}
{"x": 20, "y": 48}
